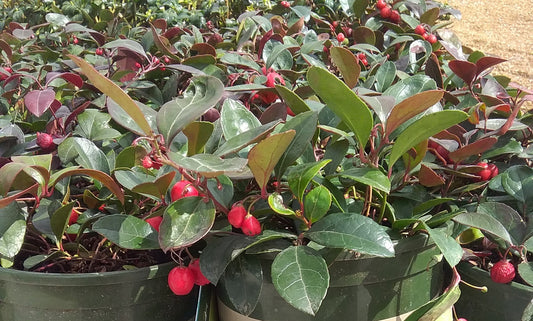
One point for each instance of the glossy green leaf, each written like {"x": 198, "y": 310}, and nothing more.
{"x": 484, "y": 222}
{"x": 428, "y": 205}
{"x": 508, "y": 217}
{"x": 130, "y": 156}
{"x": 110, "y": 89}
{"x": 20, "y": 176}
{"x": 12, "y": 230}
{"x": 209, "y": 165}
{"x": 127, "y": 231}
{"x": 275, "y": 201}
{"x": 295, "y": 103}
{"x": 277, "y": 52}
{"x": 186, "y": 221}
{"x": 98, "y": 175}
{"x": 122, "y": 118}
{"x": 300, "y": 176}
{"x": 198, "y": 133}
{"x": 202, "y": 94}
{"x": 246, "y": 138}
{"x": 236, "y": 119}
{"x": 525, "y": 270}
{"x": 410, "y": 107}
{"x": 264, "y": 156}
{"x": 385, "y": 75}
{"x": 157, "y": 188}
{"x": 44, "y": 161}
{"x": 317, "y": 203}
{"x": 305, "y": 126}
{"x": 448, "y": 246}
{"x": 230, "y": 58}
{"x": 83, "y": 152}
{"x": 221, "y": 188}
{"x": 343, "y": 102}
{"x": 437, "y": 309}
{"x": 220, "y": 252}
{"x": 94, "y": 125}
{"x": 369, "y": 176}
{"x": 59, "y": 219}
{"x": 430, "y": 16}
{"x": 241, "y": 284}
{"x": 424, "y": 128}
{"x": 301, "y": 277}
{"x": 518, "y": 182}
{"x": 410, "y": 86}
{"x": 348, "y": 65}
{"x": 352, "y": 231}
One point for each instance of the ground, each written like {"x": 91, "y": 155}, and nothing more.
{"x": 499, "y": 28}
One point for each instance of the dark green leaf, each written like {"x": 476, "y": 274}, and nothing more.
{"x": 124, "y": 119}
{"x": 484, "y": 222}
{"x": 246, "y": 138}
{"x": 347, "y": 64}
{"x": 210, "y": 165}
{"x": 448, "y": 246}
{"x": 525, "y": 269}
{"x": 198, "y": 133}
{"x": 236, "y": 119}
{"x": 369, "y": 176}
{"x": 84, "y": 152}
{"x": 300, "y": 176}
{"x": 518, "y": 182}
{"x": 385, "y": 75}
{"x": 317, "y": 203}
{"x": 59, "y": 219}
{"x": 275, "y": 201}
{"x": 301, "y": 277}
{"x": 295, "y": 103}
{"x": 127, "y": 231}
{"x": 12, "y": 230}
{"x": 508, "y": 217}
{"x": 93, "y": 125}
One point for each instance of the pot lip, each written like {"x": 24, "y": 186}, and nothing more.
{"x": 486, "y": 275}
{"x": 95, "y": 278}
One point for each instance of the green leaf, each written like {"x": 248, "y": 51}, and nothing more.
{"x": 20, "y": 176}
{"x": 301, "y": 277}
{"x": 410, "y": 107}
{"x": 84, "y": 152}
{"x": 305, "y": 126}
{"x": 221, "y": 189}
{"x": 230, "y": 58}
{"x": 275, "y": 201}
{"x": 385, "y": 75}
{"x": 435, "y": 309}
{"x": 317, "y": 203}
{"x": 127, "y": 231}
{"x": 94, "y": 125}
{"x": 295, "y": 103}
{"x": 343, "y": 102}
{"x": 202, "y": 94}
{"x": 300, "y": 176}
{"x": 186, "y": 221}
{"x": 508, "y": 218}
{"x": 12, "y": 230}
{"x": 484, "y": 222}
{"x": 410, "y": 86}
{"x": 127, "y": 44}
{"x": 156, "y": 189}
{"x": 369, "y": 176}
{"x": 246, "y": 138}
{"x": 347, "y": 64}
{"x": 518, "y": 182}
{"x": 264, "y": 156}
{"x": 352, "y": 231}
{"x": 236, "y": 119}
{"x": 110, "y": 89}
{"x": 241, "y": 283}
{"x": 59, "y": 219}
{"x": 198, "y": 134}
{"x": 44, "y": 161}
{"x": 130, "y": 156}
{"x": 452, "y": 251}
{"x": 122, "y": 118}
{"x": 525, "y": 269}
{"x": 210, "y": 165}
{"x": 424, "y": 128}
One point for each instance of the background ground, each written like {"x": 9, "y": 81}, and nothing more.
{"x": 500, "y": 28}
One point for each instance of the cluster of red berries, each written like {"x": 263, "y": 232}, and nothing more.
{"x": 181, "y": 189}
{"x": 285, "y": 4}
{"x": 362, "y": 58}
{"x": 487, "y": 171}
{"x": 268, "y": 97}
{"x": 502, "y": 271}
{"x": 386, "y": 12}
{"x": 421, "y": 30}
{"x": 182, "y": 279}
{"x": 239, "y": 217}
{"x": 148, "y": 162}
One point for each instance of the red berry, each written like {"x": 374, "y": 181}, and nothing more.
{"x": 155, "y": 222}
{"x": 493, "y": 170}
{"x": 484, "y": 173}
{"x": 181, "y": 189}
{"x": 432, "y": 39}
{"x": 99, "y": 51}
{"x": 340, "y": 37}
{"x": 181, "y": 280}
{"x": 199, "y": 277}
{"x": 364, "y": 62}
{"x": 75, "y": 40}
{"x": 395, "y": 16}
{"x": 361, "y": 56}
{"x": 425, "y": 36}
{"x": 285, "y": 4}
{"x": 250, "y": 225}
{"x": 381, "y": 4}
{"x": 462, "y": 319}
{"x": 502, "y": 272}
{"x": 420, "y": 30}
{"x": 385, "y": 12}
{"x": 166, "y": 59}
{"x": 137, "y": 65}
{"x": 147, "y": 162}
{"x": 236, "y": 215}
{"x": 73, "y": 217}
{"x": 335, "y": 24}
{"x": 45, "y": 141}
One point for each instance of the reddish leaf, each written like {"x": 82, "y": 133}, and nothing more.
{"x": 296, "y": 27}
{"x": 484, "y": 63}
{"x": 6, "y": 48}
{"x": 160, "y": 24}
{"x": 433, "y": 69}
{"x": 475, "y": 148}
{"x": 465, "y": 70}
{"x": 68, "y": 76}
{"x": 429, "y": 177}
{"x": 38, "y": 101}
{"x": 203, "y": 49}
{"x": 164, "y": 46}
{"x": 348, "y": 65}
{"x": 173, "y": 32}
{"x": 11, "y": 198}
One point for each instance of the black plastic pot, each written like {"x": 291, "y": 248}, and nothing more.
{"x": 133, "y": 295}
{"x": 500, "y": 302}
{"x": 361, "y": 289}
